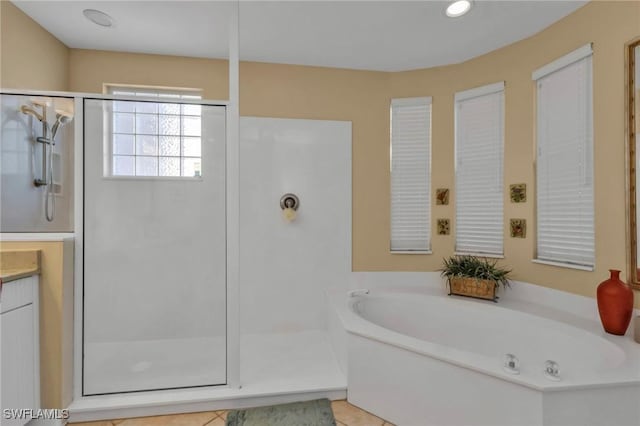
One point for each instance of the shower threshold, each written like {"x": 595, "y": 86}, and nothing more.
{"x": 275, "y": 368}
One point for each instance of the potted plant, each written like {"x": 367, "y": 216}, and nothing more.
{"x": 474, "y": 276}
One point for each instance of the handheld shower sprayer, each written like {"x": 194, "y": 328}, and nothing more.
{"x": 62, "y": 118}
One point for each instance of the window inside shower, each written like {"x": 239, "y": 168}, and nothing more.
{"x": 148, "y": 138}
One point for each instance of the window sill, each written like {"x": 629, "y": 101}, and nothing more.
{"x": 488, "y": 255}
{"x": 35, "y": 236}
{"x": 564, "y": 265}
{"x": 410, "y": 252}
{"x": 143, "y": 178}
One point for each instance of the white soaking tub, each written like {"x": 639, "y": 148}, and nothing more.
{"x": 420, "y": 357}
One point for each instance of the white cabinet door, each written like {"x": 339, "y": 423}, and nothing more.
{"x": 18, "y": 381}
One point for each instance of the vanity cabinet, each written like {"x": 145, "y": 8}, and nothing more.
{"x": 19, "y": 347}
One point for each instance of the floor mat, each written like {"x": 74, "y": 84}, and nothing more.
{"x": 308, "y": 413}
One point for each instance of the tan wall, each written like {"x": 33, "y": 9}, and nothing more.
{"x": 56, "y": 299}
{"x": 90, "y": 69}
{"x": 30, "y": 57}
{"x": 609, "y": 25}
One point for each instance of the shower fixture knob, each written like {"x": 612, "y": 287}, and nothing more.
{"x": 289, "y": 201}
{"x": 511, "y": 364}
{"x": 552, "y": 370}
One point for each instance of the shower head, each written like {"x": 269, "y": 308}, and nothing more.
{"x": 62, "y": 118}
{"x": 30, "y": 111}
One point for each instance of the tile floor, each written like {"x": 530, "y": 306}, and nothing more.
{"x": 345, "y": 414}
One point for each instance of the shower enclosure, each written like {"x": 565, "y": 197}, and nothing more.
{"x": 154, "y": 246}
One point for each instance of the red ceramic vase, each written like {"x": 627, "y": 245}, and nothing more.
{"x": 615, "y": 304}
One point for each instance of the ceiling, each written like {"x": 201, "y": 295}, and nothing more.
{"x": 371, "y": 35}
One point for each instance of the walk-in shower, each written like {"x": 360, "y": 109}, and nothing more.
{"x": 152, "y": 295}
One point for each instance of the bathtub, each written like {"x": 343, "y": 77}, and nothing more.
{"x": 420, "y": 357}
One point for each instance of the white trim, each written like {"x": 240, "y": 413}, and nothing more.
{"x": 479, "y": 91}
{"x": 426, "y": 100}
{"x": 104, "y": 97}
{"x": 35, "y": 284}
{"x": 155, "y": 178}
{"x": 161, "y": 91}
{"x": 488, "y": 255}
{"x": 589, "y": 268}
{"x": 410, "y": 252}
{"x": 36, "y": 236}
{"x": 188, "y": 401}
{"x": 232, "y": 178}
{"x": 562, "y": 62}
{"x": 78, "y": 261}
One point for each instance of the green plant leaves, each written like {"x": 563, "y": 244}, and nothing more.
{"x": 475, "y": 267}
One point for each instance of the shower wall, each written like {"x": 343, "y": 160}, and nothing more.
{"x": 285, "y": 267}
{"x": 21, "y": 202}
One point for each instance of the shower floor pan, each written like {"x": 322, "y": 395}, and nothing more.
{"x": 274, "y": 368}
{"x": 124, "y": 366}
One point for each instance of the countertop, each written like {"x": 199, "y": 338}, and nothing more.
{"x": 16, "y": 264}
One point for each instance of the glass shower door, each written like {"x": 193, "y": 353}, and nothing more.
{"x": 154, "y": 246}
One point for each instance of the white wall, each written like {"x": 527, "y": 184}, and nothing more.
{"x": 286, "y": 267}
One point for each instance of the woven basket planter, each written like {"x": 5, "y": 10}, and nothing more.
{"x": 473, "y": 287}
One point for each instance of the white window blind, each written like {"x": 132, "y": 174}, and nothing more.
{"x": 565, "y": 217}
{"x": 479, "y": 134}
{"x": 411, "y": 174}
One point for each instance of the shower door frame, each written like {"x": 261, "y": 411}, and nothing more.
{"x": 79, "y": 199}
{"x": 232, "y": 318}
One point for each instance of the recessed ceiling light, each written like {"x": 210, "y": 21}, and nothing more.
{"x": 458, "y": 8}
{"x": 98, "y": 17}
